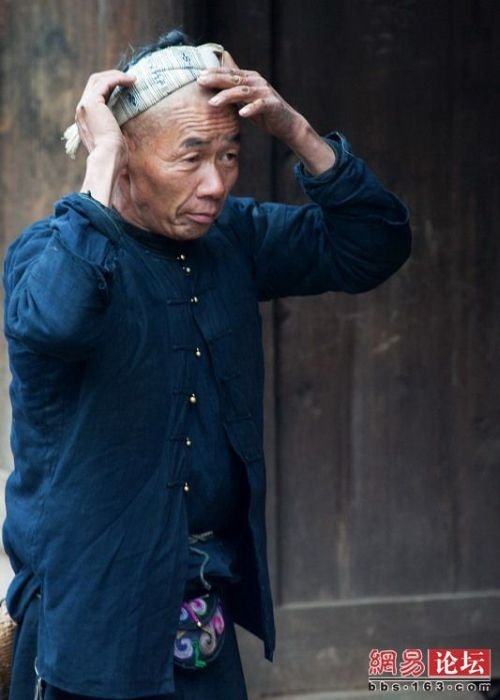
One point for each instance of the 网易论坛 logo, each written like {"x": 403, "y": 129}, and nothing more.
{"x": 430, "y": 669}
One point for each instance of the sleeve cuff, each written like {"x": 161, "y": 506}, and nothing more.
{"x": 342, "y": 149}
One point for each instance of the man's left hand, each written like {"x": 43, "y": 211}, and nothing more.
{"x": 255, "y": 98}
{"x": 259, "y": 102}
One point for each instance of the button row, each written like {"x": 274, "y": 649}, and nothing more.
{"x": 193, "y": 399}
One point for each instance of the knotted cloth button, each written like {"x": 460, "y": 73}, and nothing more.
{"x": 194, "y": 300}
{"x": 187, "y": 269}
{"x": 186, "y": 487}
{"x": 193, "y": 398}
{"x": 188, "y": 442}
{"x": 197, "y": 352}
{"x": 181, "y": 257}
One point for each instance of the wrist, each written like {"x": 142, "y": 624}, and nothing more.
{"x": 103, "y": 166}
{"x": 316, "y": 155}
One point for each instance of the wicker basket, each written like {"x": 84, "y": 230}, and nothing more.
{"x": 7, "y": 632}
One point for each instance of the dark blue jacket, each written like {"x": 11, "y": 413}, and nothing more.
{"x": 100, "y": 349}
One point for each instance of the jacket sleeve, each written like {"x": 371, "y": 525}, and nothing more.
{"x": 57, "y": 279}
{"x": 352, "y": 237}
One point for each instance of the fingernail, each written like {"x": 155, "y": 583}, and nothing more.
{"x": 244, "y": 110}
{"x": 214, "y": 100}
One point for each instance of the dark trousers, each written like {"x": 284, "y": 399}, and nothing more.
{"x": 222, "y": 680}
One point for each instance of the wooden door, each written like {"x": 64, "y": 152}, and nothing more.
{"x": 383, "y": 409}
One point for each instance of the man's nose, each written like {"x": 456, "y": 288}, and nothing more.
{"x": 212, "y": 183}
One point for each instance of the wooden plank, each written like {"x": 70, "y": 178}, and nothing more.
{"x": 325, "y": 648}
{"x": 475, "y": 284}
{"x": 385, "y": 401}
{"x": 53, "y": 47}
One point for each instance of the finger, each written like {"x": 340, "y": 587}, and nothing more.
{"x": 224, "y": 71}
{"x": 253, "y": 109}
{"x": 235, "y": 95}
{"x": 105, "y": 82}
{"x": 242, "y": 93}
{"x": 220, "y": 77}
{"x": 246, "y": 82}
{"x": 112, "y": 74}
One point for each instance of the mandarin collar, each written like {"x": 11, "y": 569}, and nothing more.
{"x": 169, "y": 247}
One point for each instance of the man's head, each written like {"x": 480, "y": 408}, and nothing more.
{"x": 183, "y": 158}
{"x": 182, "y": 152}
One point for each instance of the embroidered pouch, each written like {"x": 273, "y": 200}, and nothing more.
{"x": 201, "y": 632}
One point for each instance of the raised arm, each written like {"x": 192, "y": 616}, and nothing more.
{"x": 259, "y": 102}
{"x": 353, "y": 236}
{"x": 101, "y": 135}
{"x": 57, "y": 273}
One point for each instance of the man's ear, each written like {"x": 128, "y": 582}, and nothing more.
{"x": 130, "y": 139}
{"x": 122, "y": 186}
{"x": 131, "y": 142}
{"x": 124, "y": 175}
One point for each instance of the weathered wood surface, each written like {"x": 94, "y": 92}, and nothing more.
{"x": 390, "y": 397}
{"x": 48, "y": 51}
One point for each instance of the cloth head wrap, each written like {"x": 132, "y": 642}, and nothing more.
{"x": 158, "y": 74}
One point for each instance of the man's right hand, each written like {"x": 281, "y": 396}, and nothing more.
{"x": 101, "y": 134}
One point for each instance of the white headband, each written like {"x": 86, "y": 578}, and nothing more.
{"x": 158, "y": 74}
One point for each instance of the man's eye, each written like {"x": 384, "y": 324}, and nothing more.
{"x": 193, "y": 158}
{"x": 231, "y": 156}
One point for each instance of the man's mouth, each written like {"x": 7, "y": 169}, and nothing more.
{"x": 202, "y": 217}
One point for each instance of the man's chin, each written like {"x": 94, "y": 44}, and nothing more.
{"x": 186, "y": 232}
{"x": 191, "y": 227}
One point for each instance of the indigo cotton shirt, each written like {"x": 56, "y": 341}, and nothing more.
{"x": 216, "y": 492}
{"x": 101, "y": 350}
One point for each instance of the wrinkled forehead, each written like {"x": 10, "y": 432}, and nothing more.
{"x": 185, "y": 110}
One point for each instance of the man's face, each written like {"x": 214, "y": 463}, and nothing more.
{"x": 181, "y": 173}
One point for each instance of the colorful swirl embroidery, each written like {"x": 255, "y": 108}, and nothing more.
{"x": 201, "y": 632}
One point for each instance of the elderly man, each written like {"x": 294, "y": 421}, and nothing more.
{"x": 136, "y": 508}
